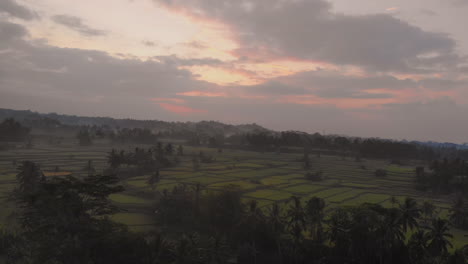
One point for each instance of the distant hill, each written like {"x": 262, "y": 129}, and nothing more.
{"x": 33, "y": 119}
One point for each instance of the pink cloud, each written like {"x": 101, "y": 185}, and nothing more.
{"x": 203, "y": 94}
{"x": 180, "y": 109}
{"x": 170, "y": 100}
{"x": 342, "y": 103}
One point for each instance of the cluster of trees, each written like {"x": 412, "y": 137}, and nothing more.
{"x": 11, "y": 130}
{"x": 302, "y": 232}
{"x": 445, "y": 176}
{"x": 363, "y": 147}
{"x": 146, "y": 160}
{"x": 134, "y": 135}
{"x": 84, "y": 138}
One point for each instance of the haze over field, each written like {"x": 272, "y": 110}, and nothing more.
{"x": 392, "y": 68}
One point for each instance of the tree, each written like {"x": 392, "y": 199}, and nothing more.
{"x": 84, "y": 138}
{"x": 297, "y": 219}
{"x": 306, "y": 161}
{"x": 314, "y": 213}
{"x": 114, "y": 159}
{"x": 418, "y": 247}
{"x": 410, "y": 213}
{"x": 11, "y": 130}
{"x": 439, "y": 237}
{"x": 90, "y": 168}
{"x": 169, "y": 149}
{"x": 428, "y": 209}
{"x": 339, "y": 225}
{"x": 29, "y": 177}
{"x": 64, "y": 219}
{"x": 276, "y": 223}
{"x": 180, "y": 150}
{"x": 459, "y": 212}
{"x": 153, "y": 179}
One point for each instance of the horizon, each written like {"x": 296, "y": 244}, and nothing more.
{"x": 323, "y": 132}
{"x": 388, "y": 69}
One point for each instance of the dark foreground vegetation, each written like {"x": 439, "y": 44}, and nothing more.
{"x": 66, "y": 220}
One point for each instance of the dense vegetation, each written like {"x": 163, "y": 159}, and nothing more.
{"x": 11, "y": 130}
{"x": 65, "y": 220}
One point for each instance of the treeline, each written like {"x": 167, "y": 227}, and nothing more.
{"x": 363, "y": 147}
{"x": 11, "y": 130}
{"x": 445, "y": 176}
{"x": 303, "y": 232}
{"x": 176, "y": 129}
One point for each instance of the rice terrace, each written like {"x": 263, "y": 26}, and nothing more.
{"x": 268, "y": 177}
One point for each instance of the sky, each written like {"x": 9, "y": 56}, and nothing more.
{"x": 372, "y": 68}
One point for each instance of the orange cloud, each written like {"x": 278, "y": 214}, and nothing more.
{"x": 180, "y": 109}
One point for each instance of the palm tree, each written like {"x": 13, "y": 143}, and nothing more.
{"x": 459, "y": 212}
{"x": 418, "y": 247}
{"x": 428, "y": 210}
{"x": 410, "y": 213}
{"x": 297, "y": 218}
{"x": 276, "y": 223}
{"x": 438, "y": 236}
{"x": 390, "y": 233}
{"x": 314, "y": 211}
{"x": 394, "y": 201}
{"x": 159, "y": 250}
{"x": 339, "y": 225}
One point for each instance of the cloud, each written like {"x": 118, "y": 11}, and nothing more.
{"x": 180, "y": 109}
{"x": 177, "y": 61}
{"x": 12, "y": 8}
{"x": 10, "y": 32}
{"x": 428, "y": 12}
{"x": 170, "y": 100}
{"x": 84, "y": 81}
{"x": 203, "y": 94}
{"x": 76, "y": 24}
{"x": 310, "y": 30}
{"x": 459, "y": 2}
{"x": 149, "y": 43}
{"x": 35, "y": 75}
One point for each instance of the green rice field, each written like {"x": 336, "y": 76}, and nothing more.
{"x": 266, "y": 177}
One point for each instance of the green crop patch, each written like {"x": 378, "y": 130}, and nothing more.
{"x": 243, "y": 185}
{"x": 275, "y": 180}
{"x": 304, "y": 189}
{"x": 368, "y": 198}
{"x": 129, "y": 199}
{"x": 136, "y": 222}
{"x": 341, "y": 197}
{"x": 330, "y": 192}
{"x": 358, "y": 185}
{"x": 138, "y": 183}
{"x": 269, "y": 194}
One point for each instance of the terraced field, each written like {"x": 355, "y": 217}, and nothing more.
{"x": 266, "y": 177}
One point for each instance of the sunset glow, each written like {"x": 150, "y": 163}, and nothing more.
{"x": 184, "y": 57}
